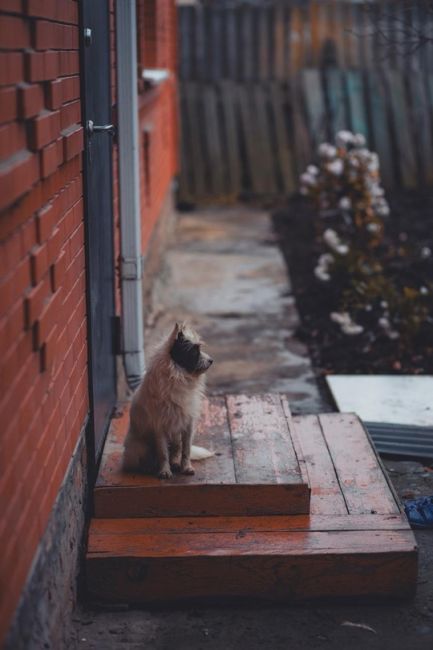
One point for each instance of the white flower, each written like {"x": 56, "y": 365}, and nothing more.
{"x": 425, "y": 252}
{"x": 325, "y": 259}
{"x": 345, "y": 203}
{"x": 321, "y": 274}
{"x": 384, "y": 323}
{"x": 344, "y": 138}
{"x": 384, "y": 304}
{"x": 347, "y": 325}
{"x": 423, "y": 291}
{"x": 373, "y": 227}
{"x": 341, "y": 318}
{"x": 377, "y": 191}
{"x": 327, "y": 150}
{"x": 335, "y": 167}
{"x": 382, "y": 208}
{"x": 351, "y": 329}
{"x": 308, "y": 179}
{"x": 303, "y": 190}
{"x": 331, "y": 238}
{"x": 359, "y": 140}
{"x": 373, "y": 165}
{"x": 312, "y": 170}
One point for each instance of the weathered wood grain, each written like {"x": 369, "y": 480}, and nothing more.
{"x": 326, "y": 494}
{"x": 356, "y": 98}
{"x": 283, "y": 148}
{"x": 262, "y": 448}
{"x": 361, "y": 478}
{"x": 403, "y": 128}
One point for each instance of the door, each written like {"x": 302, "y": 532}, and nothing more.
{"x": 98, "y": 191}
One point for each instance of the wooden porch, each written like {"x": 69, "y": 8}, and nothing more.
{"x": 289, "y": 508}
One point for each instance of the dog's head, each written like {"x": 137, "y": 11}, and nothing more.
{"x": 185, "y": 350}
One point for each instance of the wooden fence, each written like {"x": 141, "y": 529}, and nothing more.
{"x": 263, "y": 85}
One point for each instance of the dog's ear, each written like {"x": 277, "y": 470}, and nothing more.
{"x": 175, "y": 331}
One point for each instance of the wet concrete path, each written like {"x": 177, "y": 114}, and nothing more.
{"x": 225, "y": 274}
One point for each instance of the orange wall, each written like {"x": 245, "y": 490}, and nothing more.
{"x": 156, "y": 44}
{"x": 43, "y": 353}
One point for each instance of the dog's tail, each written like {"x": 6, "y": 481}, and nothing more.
{"x": 200, "y": 453}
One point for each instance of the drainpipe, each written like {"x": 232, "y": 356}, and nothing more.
{"x": 130, "y": 224}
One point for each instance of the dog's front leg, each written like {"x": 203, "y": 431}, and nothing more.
{"x": 163, "y": 457}
{"x": 186, "y": 467}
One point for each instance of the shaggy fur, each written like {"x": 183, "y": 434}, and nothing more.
{"x": 166, "y": 406}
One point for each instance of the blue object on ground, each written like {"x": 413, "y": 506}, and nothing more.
{"x": 420, "y": 512}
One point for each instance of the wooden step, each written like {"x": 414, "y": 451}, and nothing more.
{"x": 356, "y": 542}
{"x": 255, "y": 469}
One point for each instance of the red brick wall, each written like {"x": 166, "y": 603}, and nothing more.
{"x": 43, "y": 354}
{"x": 156, "y": 40}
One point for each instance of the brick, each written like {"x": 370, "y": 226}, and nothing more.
{"x": 17, "y": 178}
{"x": 48, "y": 35}
{"x": 41, "y": 66}
{"x": 54, "y": 245}
{"x": 69, "y": 63}
{"x": 50, "y": 159}
{"x": 73, "y": 143}
{"x": 15, "y": 34}
{"x": 8, "y": 104}
{"x": 48, "y": 318}
{"x": 13, "y": 6}
{"x": 30, "y": 100}
{"x": 12, "y": 139}
{"x": 48, "y": 351}
{"x": 54, "y": 94}
{"x": 42, "y": 8}
{"x": 45, "y": 220}
{"x": 34, "y": 302}
{"x": 57, "y": 271}
{"x": 39, "y": 263}
{"x": 70, "y": 88}
{"x": 70, "y": 114}
{"x": 44, "y": 129}
{"x": 11, "y": 68}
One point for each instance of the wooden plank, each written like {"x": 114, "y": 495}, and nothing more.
{"x": 278, "y": 42}
{"x": 262, "y": 448}
{"x": 215, "y": 489}
{"x": 315, "y": 104}
{"x": 380, "y": 127}
{"x": 356, "y": 97}
{"x": 263, "y": 46}
{"x": 403, "y": 130}
{"x": 248, "y": 132}
{"x": 216, "y": 43}
{"x": 213, "y": 137}
{"x": 247, "y": 48}
{"x": 231, "y": 129}
{"x": 361, "y": 478}
{"x": 283, "y": 148}
{"x": 266, "y": 160}
{"x": 240, "y": 525}
{"x": 336, "y": 101}
{"x": 301, "y": 135}
{"x": 349, "y": 36}
{"x": 274, "y": 566}
{"x": 195, "y": 142}
{"x": 232, "y": 46}
{"x": 420, "y": 115}
{"x": 296, "y": 44}
{"x": 326, "y": 493}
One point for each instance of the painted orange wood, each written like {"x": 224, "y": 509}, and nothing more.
{"x": 155, "y": 541}
{"x": 326, "y": 495}
{"x": 264, "y": 483}
{"x": 240, "y": 525}
{"x": 361, "y": 478}
{"x": 262, "y": 447}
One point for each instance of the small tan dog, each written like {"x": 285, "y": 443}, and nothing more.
{"x": 166, "y": 406}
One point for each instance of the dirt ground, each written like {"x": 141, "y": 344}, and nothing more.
{"x": 248, "y": 331}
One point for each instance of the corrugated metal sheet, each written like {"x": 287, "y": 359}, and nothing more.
{"x": 401, "y": 439}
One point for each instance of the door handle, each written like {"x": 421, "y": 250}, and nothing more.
{"x": 92, "y": 128}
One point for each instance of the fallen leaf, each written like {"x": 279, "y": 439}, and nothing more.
{"x": 363, "y": 626}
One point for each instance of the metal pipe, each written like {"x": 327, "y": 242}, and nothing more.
{"x": 130, "y": 214}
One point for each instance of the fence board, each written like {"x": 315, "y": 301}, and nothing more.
{"x": 403, "y": 133}
{"x": 356, "y": 99}
{"x": 195, "y": 139}
{"x": 315, "y": 105}
{"x": 338, "y": 118}
{"x": 249, "y": 131}
{"x": 283, "y": 149}
{"x": 229, "y": 106}
{"x": 380, "y": 126}
{"x": 420, "y": 118}
{"x": 265, "y": 162}
{"x": 213, "y": 139}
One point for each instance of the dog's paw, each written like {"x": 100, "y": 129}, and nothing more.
{"x": 165, "y": 473}
{"x": 187, "y": 469}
